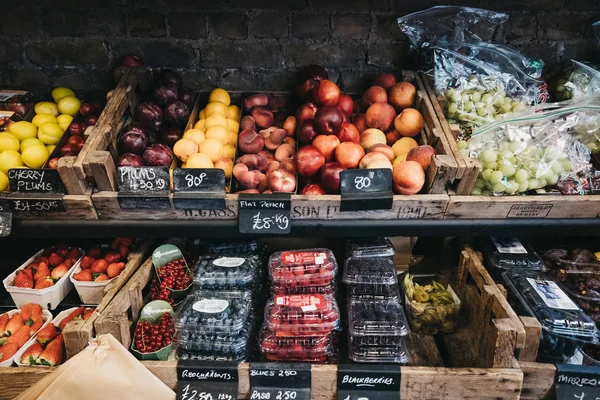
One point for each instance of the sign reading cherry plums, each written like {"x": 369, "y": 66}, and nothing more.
{"x": 366, "y": 189}
{"x": 368, "y": 382}
{"x": 268, "y": 214}
{"x": 35, "y": 180}
{"x": 279, "y": 381}
{"x": 207, "y": 380}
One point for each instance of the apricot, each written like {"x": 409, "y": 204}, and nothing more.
{"x": 226, "y": 164}
{"x": 199, "y": 160}
{"x": 371, "y": 137}
{"x": 184, "y": 148}
{"x": 212, "y": 148}
{"x": 403, "y": 146}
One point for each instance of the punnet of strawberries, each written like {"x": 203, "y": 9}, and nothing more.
{"x": 18, "y": 328}
{"x": 151, "y": 337}
{"x": 47, "y": 269}
{"x": 103, "y": 263}
{"x": 49, "y": 346}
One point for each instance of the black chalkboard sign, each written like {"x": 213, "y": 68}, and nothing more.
{"x": 265, "y": 214}
{"x": 368, "y": 382}
{"x": 4, "y": 203}
{"x": 135, "y": 180}
{"x": 577, "y": 382}
{"x": 197, "y": 380}
{"x": 25, "y": 205}
{"x": 5, "y": 223}
{"x": 143, "y": 202}
{"x": 366, "y": 189}
{"x": 199, "y": 189}
{"x": 35, "y": 180}
{"x": 279, "y": 381}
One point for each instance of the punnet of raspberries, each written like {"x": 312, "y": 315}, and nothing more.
{"x": 151, "y": 337}
{"x": 175, "y": 275}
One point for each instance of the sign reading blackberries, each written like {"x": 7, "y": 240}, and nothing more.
{"x": 577, "y": 382}
{"x": 368, "y": 382}
{"x": 279, "y": 381}
{"x": 202, "y": 380}
{"x": 265, "y": 214}
{"x": 199, "y": 189}
{"x": 36, "y": 180}
{"x": 366, "y": 189}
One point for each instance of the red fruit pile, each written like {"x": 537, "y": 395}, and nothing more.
{"x": 308, "y": 348}
{"x": 175, "y": 275}
{"x": 303, "y": 315}
{"x": 47, "y": 269}
{"x": 151, "y": 337}
{"x": 90, "y": 112}
{"x": 296, "y": 269}
{"x": 102, "y": 265}
{"x": 16, "y": 330}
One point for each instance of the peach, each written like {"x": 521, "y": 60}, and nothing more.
{"x": 380, "y": 116}
{"x": 349, "y": 154}
{"x": 348, "y": 133}
{"x": 247, "y": 179}
{"x": 374, "y": 94}
{"x": 385, "y": 81}
{"x": 257, "y": 100}
{"x": 248, "y": 123}
{"x": 254, "y": 161}
{"x": 275, "y": 139}
{"x": 409, "y": 122}
{"x": 289, "y": 126}
{"x": 422, "y": 155}
{"x": 218, "y": 133}
{"x": 290, "y": 140}
{"x": 383, "y": 149}
{"x": 403, "y": 146}
{"x": 392, "y": 137}
{"x": 288, "y": 165}
{"x": 285, "y": 151}
{"x": 278, "y": 102}
{"x": 371, "y": 137}
{"x": 264, "y": 118}
{"x": 273, "y": 166}
{"x": 408, "y": 178}
{"x": 402, "y": 95}
{"x": 398, "y": 160}
{"x": 195, "y": 134}
{"x": 327, "y": 144}
{"x": 375, "y": 160}
{"x": 226, "y": 165}
{"x": 267, "y": 154}
{"x": 184, "y": 148}
{"x": 232, "y": 138}
{"x": 263, "y": 183}
{"x": 360, "y": 122}
{"x": 250, "y": 142}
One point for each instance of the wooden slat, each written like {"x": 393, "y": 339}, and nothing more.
{"x": 538, "y": 381}
{"x": 73, "y": 184}
{"x": 533, "y": 332}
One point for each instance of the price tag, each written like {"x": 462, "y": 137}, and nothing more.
{"x": 36, "y": 205}
{"x": 199, "y": 189}
{"x": 133, "y": 180}
{"x": 38, "y": 180}
{"x": 366, "y": 189}
{"x": 371, "y": 382}
{"x": 268, "y": 214}
{"x": 198, "y": 380}
{"x": 275, "y": 381}
{"x": 577, "y": 382}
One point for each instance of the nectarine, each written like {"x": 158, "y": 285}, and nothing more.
{"x": 402, "y": 95}
{"x": 327, "y": 144}
{"x": 371, "y": 137}
{"x": 375, "y": 160}
{"x": 360, "y": 122}
{"x": 349, "y": 154}
{"x": 422, "y": 155}
{"x": 408, "y": 178}
{"x": 409, "y": 122}
{"x": 385, "y": 81}
{"x": 383, "y": 149}
{"x": 380, "y": 116}
{"x": 374, "y": 94}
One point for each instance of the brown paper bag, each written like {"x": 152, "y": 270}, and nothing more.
{"x": 104, "y": 370}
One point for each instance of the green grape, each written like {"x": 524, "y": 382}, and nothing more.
{"x": 511, "y": 187}
{"x": 504, "y": 146}
{"x": 542, "y": 182}
{"x": 534, "y": 184}
{"x": 468, "y": 106}
{"x": 505, "y": 109}
{"x": 552, "y": 179}
{"x": 521, "y": 176}
{"x": 450, "y": 94}
{"x": 507, "y": 170}
{"x": 476, "y": 192}
{"x": 567, "y": 165}
{"x": 499, "y": 187}
{"x": 476, "y": 97}
{"x": 516, "y": 147}
{"x": 489, "y": 165}
{"x": 507, "y": 154}
{"x": 551, "y": 153}
{"x": 486, "y": 193}
{"x": 518, "y": 107}
{"x": 462, "y": 144}
{"x": 523, "y": 186}
{"x": 557, "y": 167}
{"x": 479, "y": 183}
{"x": 465, "y": 97}
{"x": 452, "y": 108}
{"x": 496, "y": 177}
{"x": 482, "y": 111}
{"x": 488, "y": 156}
{"x": 486, "y": 98}
{"x": 487, "y": 174}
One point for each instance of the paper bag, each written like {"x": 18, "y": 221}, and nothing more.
{"x": 104, "y": 370}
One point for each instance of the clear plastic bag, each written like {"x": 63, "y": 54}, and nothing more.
{"x": 536, "y": 149}
{"x": 580, "y": 80}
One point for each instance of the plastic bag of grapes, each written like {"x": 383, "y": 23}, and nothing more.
{"x": 537, "y": 148}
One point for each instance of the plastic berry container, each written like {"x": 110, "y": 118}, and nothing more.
{"x": 299, "y": 315}
{"x": 221, "y": 344}
{"x": 327, "y": 290}
{"x": 369, "y": 247}
{"x": 235, "y": 247}
{"x": 295, "y": 348}
{"x": 378, "y": 354}
{"x": 374, "y": 276}
{"x": 199, "y": 315}
{"x": 186, "y": 355}
{"x": 376, "y": 318}
{"x": 312, "y": 267}
{"x": 502, "y": 254}
{"x": 226, "y": 273}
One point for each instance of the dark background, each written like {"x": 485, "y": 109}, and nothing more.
{"x": 258, "y": 44}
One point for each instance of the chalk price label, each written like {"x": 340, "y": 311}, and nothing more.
{"x": 366, "y": 189}
{"x": 144, "y": 179}
{"x": 268, "y": 214}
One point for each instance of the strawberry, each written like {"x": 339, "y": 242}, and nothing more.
{"x": 84, "y": 276}
{"x": 46, "y": 252}
{"x": 15, "y": 323}
{"x": 62, "y": 250}
{"x": 54, "y": 354}
{"x": 7, "y": 351}
{"x": 47, "y": 334}
{"x": 86, "y": 262}
{"x": 94, "y": 252}
{"x": 127, "y": 242}
{"x": 112, "y": 257}
{"x": 99, "y": 266}
{"x": 44, "y": 283}
{"x": 36, "y": 327}
{"x": 31, "y": 269}
{"x": 31, "y": 312}
{"x": 88, "y": 313}
{"x": 73, "y": 254}
{"x": 55, "y": 260}
{"x": 23, "y": 280}
{"x": 20, "y": 337}
{"x": 42, "y": 272}
{"x": 68, "y": 262}
{"x": 4, "y": 318}
{"x": 59, "y": 271}
{"x": 101, "y": 278}
{"x": 76, "y": 313}
{"x": 115, "y": 269}
{"x": 32, "y": 354}
{"x": 115, "y": 244}
{"x": 124, "y": 252}
{"x": 40, "y": 260}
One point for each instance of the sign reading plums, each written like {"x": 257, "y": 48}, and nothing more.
{"x": 144, "y": 188}
{"x": 197, "y": 380}
{"x": 199, "y": 189}
{"x": 368, "y": 382}
{"x": 366, "y": 189}
{"x": 279, "y": 381}
{"x": 36, "y": 180}
{"x": 265, "y": 214}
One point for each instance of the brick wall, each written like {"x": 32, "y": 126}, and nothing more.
{"x": 243, "y": 44}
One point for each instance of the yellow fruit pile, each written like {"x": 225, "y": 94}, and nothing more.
{"x": 211, "y": 142}
{"x": 29, "y": 144}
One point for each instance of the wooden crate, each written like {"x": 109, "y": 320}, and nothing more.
{"x": 78, "y": 333}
